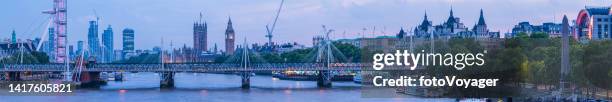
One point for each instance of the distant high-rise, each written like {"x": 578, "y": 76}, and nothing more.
{"x": 128, "y": 43}
{"x": 200, "y": 35}
{"x": 13, "y": 37}
{"x": 107, "y": 41}
{"x": 93, "y": 40}
{"x": 71, "y": 52}
{"x": 80, "y": 48}
{"x": 51, "y": 43}
{"x": 229, "y": 38}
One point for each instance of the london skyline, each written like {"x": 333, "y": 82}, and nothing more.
{"x": 299, "y": 21}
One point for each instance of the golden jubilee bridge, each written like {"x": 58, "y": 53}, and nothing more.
{"x": 89, "y": 73}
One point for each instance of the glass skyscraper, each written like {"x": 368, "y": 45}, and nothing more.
{"x": 79, "y": 50}
{"x": 107, "y": 41}
{"x": 128, "y": 43}
{"x": 51, "y": 44}
{"x": 92, "y": 40}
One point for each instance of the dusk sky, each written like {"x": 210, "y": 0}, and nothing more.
{"x": 299, "y": 20}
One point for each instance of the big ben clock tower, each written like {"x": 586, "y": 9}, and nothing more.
{"x": 229, "y": 38}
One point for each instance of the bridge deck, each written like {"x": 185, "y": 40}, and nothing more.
{"x": 213, "y": 67}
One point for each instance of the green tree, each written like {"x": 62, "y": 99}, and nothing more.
{"x": 28, "y": 58}
{"x": 597, "y": 62}
{"x": 539, "y": 35}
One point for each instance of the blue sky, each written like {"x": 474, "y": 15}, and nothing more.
{"x": 299, "y": 21}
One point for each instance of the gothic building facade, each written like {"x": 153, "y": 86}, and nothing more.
{"x": 200, "y": 35}
{"x": 453, "y": 27}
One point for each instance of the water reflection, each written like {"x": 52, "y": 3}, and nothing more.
{"x": 213, "y": 87}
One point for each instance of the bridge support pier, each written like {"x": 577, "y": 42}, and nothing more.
{"x": 246, "y": 80}
{"x": 167, "y": 80}
{"x": 324, "y": 79}
{"x": 91, "y": 80}
{"x": 13, "y": 76}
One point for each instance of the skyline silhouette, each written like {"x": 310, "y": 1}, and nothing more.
{"x": 299, "y": 21}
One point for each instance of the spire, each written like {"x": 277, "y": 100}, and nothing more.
{"x": 451, "y": 11}
{"x": 481, "y": 20}
{"x": 565, "y": 24}
{"x": 451, "y": 18}
{"x": 200, "y": 16}
{"x": 425, "y": 20}
{"x": 229, "y": 25}
{"x": 401, "y": 34}
{"x": 230, "y": 20}
{"x": 215, "y": 49}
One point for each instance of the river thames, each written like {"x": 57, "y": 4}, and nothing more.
{"x": 216, "y": 88}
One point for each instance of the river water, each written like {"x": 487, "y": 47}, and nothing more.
{"x": 204, "y": 87}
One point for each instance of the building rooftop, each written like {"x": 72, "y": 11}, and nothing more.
{"x": 598, "y": 10}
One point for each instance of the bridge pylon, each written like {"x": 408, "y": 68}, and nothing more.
{"x": 324, "y": 79}
{"x": 325, "y": 56}
{"x": 246, "y": 80}
{"x": 167, "y": 80}
{"x": 166, "y": 75}
{"x": 245, "y": 75}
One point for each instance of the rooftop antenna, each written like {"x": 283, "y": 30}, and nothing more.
{"x": 383, "y": 30}
{"x": 344, "y": 34}
{"x": 161, "y": 54}
{"x": 172, "y": 51}
{"x": 200, "y": 17}
{"x": 363, "y": 32}
{"x": 374, "y": 31}
{"x": 97, "y": 17}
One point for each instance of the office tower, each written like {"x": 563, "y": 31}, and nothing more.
{"x": 71, "y": 52}
{"x": 128, "y": 43}
{"x": 93, "y": 40}
{"x": 107, "y": 41}
{"x": 80, "y": 48}
{"x": 51, "y": 44}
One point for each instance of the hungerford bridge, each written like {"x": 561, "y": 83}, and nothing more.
{"x": 88, "y": 73}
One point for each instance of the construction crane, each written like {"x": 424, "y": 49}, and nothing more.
{"x": 270, "y": 30}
